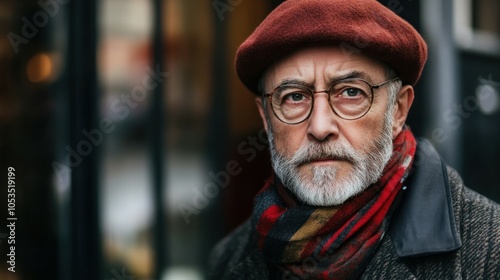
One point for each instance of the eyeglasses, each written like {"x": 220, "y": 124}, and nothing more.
{"x": 349, "y": 99}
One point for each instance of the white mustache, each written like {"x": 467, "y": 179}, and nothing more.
{"x": 333, "y": 150}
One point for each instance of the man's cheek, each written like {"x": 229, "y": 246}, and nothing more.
{"x": 286, "y": 151}
{"x": 281, "y": 148}
{"x": 281, "y": 141}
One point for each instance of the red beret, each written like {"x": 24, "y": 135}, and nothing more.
{"x": 363, "y": 26}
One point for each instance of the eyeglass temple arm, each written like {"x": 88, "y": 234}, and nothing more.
{"x": 383, "y": 83}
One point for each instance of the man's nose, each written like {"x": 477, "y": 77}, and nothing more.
{"x": 323, "y": 122}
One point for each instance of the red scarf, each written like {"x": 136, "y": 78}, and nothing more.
{"x": 329, "y": 242}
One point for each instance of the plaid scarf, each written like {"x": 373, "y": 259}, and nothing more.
{"x": 329, "y": 242}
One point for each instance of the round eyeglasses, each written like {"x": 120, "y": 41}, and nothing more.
{"x": 349, "y": 99}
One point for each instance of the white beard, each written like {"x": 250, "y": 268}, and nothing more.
{"x": 324, "y": 188}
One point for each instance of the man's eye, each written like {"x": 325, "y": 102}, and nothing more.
{"x": 352, "y": 92}
{"x": 296, "y": 96}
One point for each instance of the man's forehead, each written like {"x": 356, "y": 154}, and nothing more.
{"x": 327, "y": 62}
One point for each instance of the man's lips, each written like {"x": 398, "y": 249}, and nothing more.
{"x": 324, "y": 160}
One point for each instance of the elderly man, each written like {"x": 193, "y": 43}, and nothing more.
{"x": 354, "y": 195}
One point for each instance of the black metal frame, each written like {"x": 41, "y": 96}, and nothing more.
{"x": 85, "y": 241}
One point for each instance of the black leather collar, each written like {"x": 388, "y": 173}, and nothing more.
{"x": 424, "y": 222}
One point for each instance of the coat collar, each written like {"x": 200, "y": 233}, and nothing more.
{"x": 424, "y": 222}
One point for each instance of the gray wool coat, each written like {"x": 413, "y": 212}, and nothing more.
{"x": 440, "y": 230}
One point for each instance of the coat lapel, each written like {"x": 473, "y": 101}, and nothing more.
{"x": 424, "y": 222}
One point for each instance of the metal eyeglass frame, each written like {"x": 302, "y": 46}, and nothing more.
{"x": 372, "y": 88}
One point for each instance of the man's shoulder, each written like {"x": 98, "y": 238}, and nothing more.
{"x": 229, "y": 251}
{"x": 235, "y": 240}
{"x": 478, "y": 220}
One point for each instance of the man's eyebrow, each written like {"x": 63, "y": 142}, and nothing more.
{"x": 350, "y": 75}
{"x": 333, "y": 79}
{"x": 287, "y": 82}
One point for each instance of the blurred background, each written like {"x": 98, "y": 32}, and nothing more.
{"x": 136, "y": 148}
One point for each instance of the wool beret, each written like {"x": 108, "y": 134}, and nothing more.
{"x": 356, "y": 26}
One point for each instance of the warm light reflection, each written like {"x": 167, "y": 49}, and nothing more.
{"x": 40, "y": 68}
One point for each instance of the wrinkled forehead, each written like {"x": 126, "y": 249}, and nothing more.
{"x": 320, "y": 65}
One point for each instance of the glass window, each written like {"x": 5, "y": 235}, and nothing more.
{"x": 477, "y": 25}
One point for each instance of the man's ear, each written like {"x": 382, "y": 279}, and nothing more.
{"x": 404, "y": 99}
{"x": 260, "y": 106}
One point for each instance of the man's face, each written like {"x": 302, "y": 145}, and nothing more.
{"x": 325, "y": 160}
